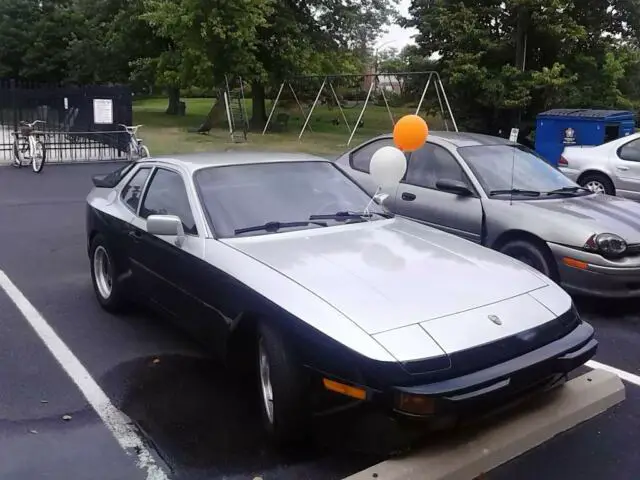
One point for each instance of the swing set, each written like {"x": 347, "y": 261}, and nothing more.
{"x": 372, "y": 84}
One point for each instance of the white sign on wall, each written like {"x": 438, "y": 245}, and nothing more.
{"x": 514, "y": 135}
{"x": 103, "y": 111}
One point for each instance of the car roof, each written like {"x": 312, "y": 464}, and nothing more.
{"x": 197, "y": 161}
{"x": 461, "y": 139}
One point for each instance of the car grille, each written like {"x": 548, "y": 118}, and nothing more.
{"x": 633, "y": 250}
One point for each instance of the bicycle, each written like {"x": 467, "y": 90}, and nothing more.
{"x": 135, "y": 146}
{"x": 27, "y": 146}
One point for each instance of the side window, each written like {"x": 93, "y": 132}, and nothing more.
{"x": 132, "y": 191}
{"x": 630, "y": 151}
{"x": 360, "y": 159}
{"x": 167, "y": 195}
{"x": 432, "y": 163}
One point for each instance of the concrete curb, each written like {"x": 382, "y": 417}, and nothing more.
{"x": 483, "y": 449}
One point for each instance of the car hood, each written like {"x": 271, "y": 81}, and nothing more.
{"x": 392, "y": 273}
{"x": 582, "y": 215}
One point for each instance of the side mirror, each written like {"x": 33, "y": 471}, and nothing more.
{"x": 166, "y": 225}
{"x": 453, "y": 186}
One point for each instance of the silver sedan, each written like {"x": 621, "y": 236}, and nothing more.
{"x": 506, "y": 197}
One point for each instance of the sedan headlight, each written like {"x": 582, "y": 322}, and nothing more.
{"x": 607, "y": 244}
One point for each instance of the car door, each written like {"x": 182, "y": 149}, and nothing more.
{"x": 626, "y": 165}
{"x": 177, "y": 278}
{"x": 359, "y": 162}
{"x": 419, "y": 198}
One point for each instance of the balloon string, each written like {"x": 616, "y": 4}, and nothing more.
{"x": 366, "y": 209}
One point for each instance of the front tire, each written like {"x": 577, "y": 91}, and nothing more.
{"x": 40, "y": 156}
{"x": 533, "y": 255}
{"x": 598, "y": 183}
{"x": 104, "y": 276}
{"x": 284, "y": 389}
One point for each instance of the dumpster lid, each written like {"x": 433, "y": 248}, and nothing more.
{"x": 587, "y": 113}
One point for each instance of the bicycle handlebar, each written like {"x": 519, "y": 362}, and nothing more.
{"x": 32, "y": 124}
{"x": 130, "y": 128}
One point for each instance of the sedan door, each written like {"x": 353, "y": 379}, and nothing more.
{"x": 419, "y": 198}
{"x": 177, "y": 278}
{"x": 626, "y": 165}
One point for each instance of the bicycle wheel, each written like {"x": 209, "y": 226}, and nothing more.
{"x": 39, "y": 157}
{"x": 17, "y": 156}
{"x": 144, "y": 151}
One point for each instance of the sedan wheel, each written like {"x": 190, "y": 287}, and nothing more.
{"x": 532, "y": 255}
{"x": 284, "y": 389}
{"x": 265, "y": 381}
{"x": 596, "y": 186}
{"x": 104, "y": 276}
{"x": 598, "y": 183}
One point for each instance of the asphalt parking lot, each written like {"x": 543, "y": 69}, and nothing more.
{"x": 199, "y": 421}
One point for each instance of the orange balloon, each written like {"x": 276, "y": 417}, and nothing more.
{"x": 410, "y": 133}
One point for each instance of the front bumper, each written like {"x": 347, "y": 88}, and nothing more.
{"x": 506, "y": 382}
{"x": 591, "y": 274}
{"x": 491, "y": 388}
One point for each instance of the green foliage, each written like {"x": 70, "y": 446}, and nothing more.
{"x": 574, "y": 54}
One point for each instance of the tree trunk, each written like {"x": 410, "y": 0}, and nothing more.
{"x": 174, "y": 101}
{"x": 217, "y": 116}
{"x": 259, "y": 109}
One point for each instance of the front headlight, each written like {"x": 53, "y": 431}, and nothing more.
{"x": 607, "y": 244}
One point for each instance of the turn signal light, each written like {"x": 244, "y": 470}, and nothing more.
{"x": 416, "y": 404}
{"x": 348, "y": 390}
{"x": 572, "y": 262}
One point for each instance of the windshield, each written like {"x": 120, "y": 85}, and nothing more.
{"x": 238, "y": 198}
{"x": 492, "y": 165}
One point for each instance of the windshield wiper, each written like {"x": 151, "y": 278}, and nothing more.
{"x": 348, "y": 216}
{"x": 275, "y": 226}
{"x": 567, "y": 190}
{"x": 515, "y": 191}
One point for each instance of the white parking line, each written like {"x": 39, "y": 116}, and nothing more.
{"x": 626, "y": 376}
{"x": 114, "y": 419}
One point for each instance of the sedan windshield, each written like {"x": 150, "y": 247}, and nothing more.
{"x": 505, "y": 170}
{"x": 263, "y": 198}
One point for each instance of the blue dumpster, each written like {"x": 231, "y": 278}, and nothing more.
{"x": 559, "y": 128}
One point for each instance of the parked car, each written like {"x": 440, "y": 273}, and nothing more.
{"x": 505, "y": 196}
{"x": 272, "y": 258}
{"x": 612, "y": 168}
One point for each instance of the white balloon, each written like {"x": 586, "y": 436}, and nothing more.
{"x": 388, "y": 165}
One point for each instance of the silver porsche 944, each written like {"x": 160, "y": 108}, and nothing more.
{"x": 285, "y": 262}
{"x": 506, "y": 197}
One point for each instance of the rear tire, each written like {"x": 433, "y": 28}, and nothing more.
{"x": 533, "y": 255}
{"x": 284, "y": 389}
{"x": 17, "y": 156}
{"x": 598, "y": 183}
{"x": 104, "y": 276}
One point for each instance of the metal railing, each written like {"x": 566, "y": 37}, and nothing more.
{"x": 72, "y": 147}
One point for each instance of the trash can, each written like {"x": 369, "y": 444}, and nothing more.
{"x": 556, "y": 129}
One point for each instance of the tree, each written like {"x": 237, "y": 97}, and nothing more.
{"x": 503, "y": 59}
{"x": 267, "y": 40}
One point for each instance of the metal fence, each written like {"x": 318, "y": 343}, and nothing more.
{"x": 82, "y": 123}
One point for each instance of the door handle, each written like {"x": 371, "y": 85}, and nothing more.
{"x": 135, "y": 235}
{"x": 624, "y": 169}
{"x": 409, "y": 197}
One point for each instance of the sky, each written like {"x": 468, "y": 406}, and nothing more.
{"x": 397, "y": 36}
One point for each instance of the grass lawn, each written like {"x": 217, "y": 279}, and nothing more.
{"x": 168, "y": 134}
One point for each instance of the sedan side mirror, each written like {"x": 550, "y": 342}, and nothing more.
{"x": 166, "y": 225}
{"x": 453, "y": 186}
